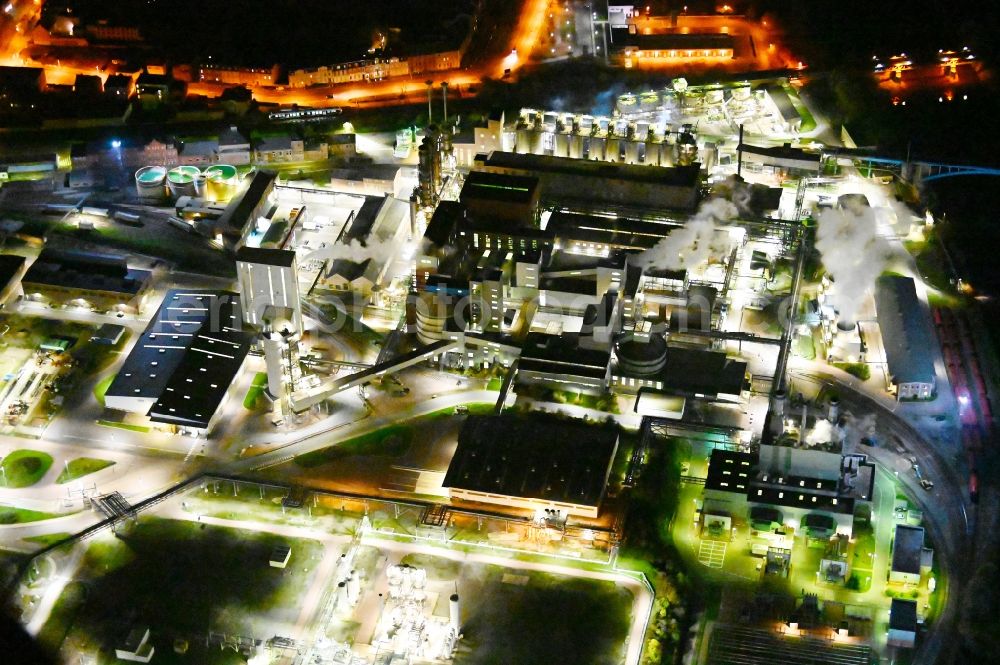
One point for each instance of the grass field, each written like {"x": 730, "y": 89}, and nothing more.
{"x": 47, "y": 539}
{"x": 101, "y": 388}
{"x": 256, "y": 391}
{"x": 80, "y": 467}
{"x": 182, "y": 579}
{"x": 131, "y": 428}
{"x": 538, "y": 619}
{"x": 24, "y": 468}
{"x": 12, "y": 515}
{"x": 391, "y": 441}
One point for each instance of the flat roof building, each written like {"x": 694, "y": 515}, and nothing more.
{"x": 186, "y": 361}
{"x": 98, "y": 281}
{"x": 907, "y": 554}
{"x": 627, "y": 186}
{"x": 240, "y": 217}
{"x": 906, "y": 337}
{"x": 269, "y": 286}
{"x": 532, "y": 463}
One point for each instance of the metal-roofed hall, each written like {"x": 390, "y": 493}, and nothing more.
{"x": 533, "y": 463}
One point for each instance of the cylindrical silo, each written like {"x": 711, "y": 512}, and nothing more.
{"x": 560, "y": 147}
{"x": 221, "y": 182}
{"x": 632, "y": 152}
{"x": 597, "y": 145}
{"x": 455, "y": 613}
{"x": 611, "y": 152}
{"x": 523, "y": 144}
{"x": 181, "y": 180}
{"x": 150, "y": 183}
{"x": 272, "y": 357}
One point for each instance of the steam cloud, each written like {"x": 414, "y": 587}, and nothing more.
{"x": 852, "y": 252}
{"x": 694, "y": 244}
{"x": 355, "y": 251}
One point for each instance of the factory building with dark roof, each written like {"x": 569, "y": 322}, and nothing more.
{"x": 565, "y": 180}
{"x": 98, "y": 281}
{"x": 532, "y": 463}
{"x": 183, "y": 367}
{"x": 906, "y": 337}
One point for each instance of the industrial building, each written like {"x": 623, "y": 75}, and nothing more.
{"x": 240, "y": 220}
{"x": 906, "y": 337}
{"x": 186, "y": 363}
{"x": 597, "y": 184}
{"x": 269, "y": 287}
{"x": 12, "y": 269}
{"x": 532, "y": 463}
{"x": 812, "y": 491}
{"x": 782, "y": 161}
{"x": 910, "y": 558}
{"x": 101, "y": 282}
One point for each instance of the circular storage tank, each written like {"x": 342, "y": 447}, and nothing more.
{"x": 150, "y": 183}
{"x": 222, "y": 180}
{"x": 641, "y": 357}
{"x": 181, "y": 180}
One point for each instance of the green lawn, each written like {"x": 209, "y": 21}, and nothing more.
{"x": 131, "y": 428}
{"x": 392, "y": 441}
{"x": 545, "y": 619}
{"x": 12, "y": 515}
{"x": 857, "y": 370}
{"x": 63, "y": 614}
{"x": 80, "y": 467}
{"x": 256, "y": 391}
{"x": 24, "y": 468}
{"x": 48, "y": 538}
{"x": 183, "y": 578}
{"x": 101, "y": 388}
{"x": 804, "y": 347}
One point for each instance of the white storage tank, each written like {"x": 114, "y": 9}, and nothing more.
{"x": 150, "y": 183}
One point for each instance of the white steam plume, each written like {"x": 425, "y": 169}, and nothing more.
{"x": 694, "y": 244}
{"x": 853, "y": 253}
{"x": 355, "y": 251}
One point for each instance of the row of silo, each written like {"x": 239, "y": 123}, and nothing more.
{"x": 218, "y": 182}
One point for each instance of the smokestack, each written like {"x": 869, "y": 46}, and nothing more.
{"x": 833, "y": 409}
{"x": 455, "y": 610}
{"x": 739, "y": 155}
{"x": 413, "y": 214}
{"x": 430, "y": 90}
{"x": 778, "y": 402}
{"x": 444, "y": 98}
{"x": 803, "y": 424}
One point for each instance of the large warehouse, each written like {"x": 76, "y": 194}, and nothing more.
{"x": 187, "y": 361}
{"x": 532, "y": 463}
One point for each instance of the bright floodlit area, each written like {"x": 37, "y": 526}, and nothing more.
{"x": 214, "y": 571}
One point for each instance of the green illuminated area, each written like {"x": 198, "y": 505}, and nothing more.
{"x": 80, "y": 467}
{"x": 732, "y": 556}
{"x": 24, "y": 468}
